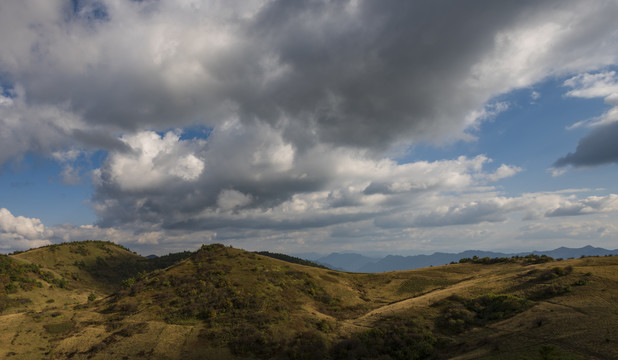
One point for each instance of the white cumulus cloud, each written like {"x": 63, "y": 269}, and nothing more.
{"x": 19, "y": 232}
{"x": 154, "y": 161}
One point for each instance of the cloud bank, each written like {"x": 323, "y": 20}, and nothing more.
{"x": 307, "y": 102}
{"x": 345, "y": 73}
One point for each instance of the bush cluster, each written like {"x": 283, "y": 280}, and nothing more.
{"x": 461, "y": 314}
{"x": 392, "y": 339}
{"x": 553, "y": 273}
{"x": 526, "y": 260}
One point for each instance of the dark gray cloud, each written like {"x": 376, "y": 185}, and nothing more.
{"x": 348, "y": 73}
{"x": 369, "y": 74}
{"x": 99, "y": 140}
{"x": 599, "y": 147}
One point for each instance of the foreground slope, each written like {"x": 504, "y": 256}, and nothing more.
{"x": 226, "y": 303}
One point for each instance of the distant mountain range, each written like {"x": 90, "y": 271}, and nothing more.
{"x": 360, "y": 263}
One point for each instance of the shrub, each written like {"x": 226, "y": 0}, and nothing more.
{"x": 61, "y": 283}
{"x": 307, "y": 345}
{"x": 553, "y": 273}
{"x": 324, "y": 326}
{"x": 128, "y": 282}
{"x": 456, "y": 319}
{"x": 391, "y": 339}
{"x": 550, "y": 291}
{"x": 461, "y": 314}
{"x": 250, "y": 340}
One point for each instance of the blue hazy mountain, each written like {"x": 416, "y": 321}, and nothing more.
{"x": 346, "y": 261}
{"x": 360, "y": 263}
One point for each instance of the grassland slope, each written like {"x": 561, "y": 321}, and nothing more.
{"x": 225, "y": 303}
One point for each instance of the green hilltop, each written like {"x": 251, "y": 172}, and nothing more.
{"x": 99, "y": 300}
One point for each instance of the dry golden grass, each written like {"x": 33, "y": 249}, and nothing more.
{"x": 266, "y": 302}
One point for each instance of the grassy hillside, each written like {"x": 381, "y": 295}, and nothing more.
{"x": 97, "y": 265}
{"x": 225, "y": 303}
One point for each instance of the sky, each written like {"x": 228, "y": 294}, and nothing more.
{"x": 377, "y": 127}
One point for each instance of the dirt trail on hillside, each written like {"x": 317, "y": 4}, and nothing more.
{"x": 421, "y": 301}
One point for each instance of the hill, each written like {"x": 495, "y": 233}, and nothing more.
{"x": 225, "y": 303}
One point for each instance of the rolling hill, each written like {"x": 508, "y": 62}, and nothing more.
{"x": 225, "y": 303}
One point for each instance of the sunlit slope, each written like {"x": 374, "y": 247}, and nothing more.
{"x": 65, "y": 274}
{"x": 220, "y": 282}
{"x": 99, "y": 265}
{"x": 234, "y": 303}
{"x": 225, "y": 303}
{"x": 555, "y": 310}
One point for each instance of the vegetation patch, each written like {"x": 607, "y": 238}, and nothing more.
{"x": 6, "y": 302}
{"x": 460, "y": 314}
{"x": 59, "y": 328}
{"x": 549, "y": 291}
{"x": 132, "y": 329}
{"x": 526, "y": 260}
{"x": 392, "y": 338}
{"x": 550, "y": 274}
{"x": 15, "y": 275}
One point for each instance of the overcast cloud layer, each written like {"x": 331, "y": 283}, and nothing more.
{"x": 302, "y": 106}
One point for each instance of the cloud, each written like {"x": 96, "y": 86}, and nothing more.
{"x": 145, "y": 242}
{"x": 599, "y": 147}
{"x": 476, "y": 212}
{"x": 570, "y": 230}
{"x": 231, "y": 199}
{"x": 257, "y": 180}
{"x": 599, "y": 85}
{"x": 504, "y": 171}
{"x": 322, "y": 72}
{"x": 70, "y": 174}
{"x": 154, "y": 161}
{"x": 587, "y": 206}
{"x": 603, "y": 84}
{"x": 427, "y": 223}
{"x": 486, "y": 207}
{"x": 33, "y": 128}
{"x": 19, "y": 233}
{"x": 557, "y": 172}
